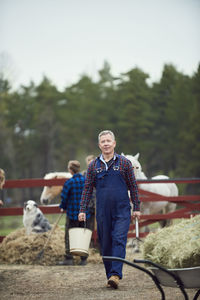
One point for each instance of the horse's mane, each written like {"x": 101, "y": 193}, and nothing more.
{"x": 57, "y": 174}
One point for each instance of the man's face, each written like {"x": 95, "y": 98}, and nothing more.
{"x": 107, "y": 144}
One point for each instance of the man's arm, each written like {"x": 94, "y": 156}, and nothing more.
{"x": 132, "y": 186}
{"x": 64, "y": 195}
{"x": 88, "y": 187}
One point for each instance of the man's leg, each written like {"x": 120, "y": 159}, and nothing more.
{"x": 83, "y": 261}
{"x": 68, "y": 257}
{"x": 105, "y": 240}
{"x": 119, "y": 239}
{"x": 68, "y": 225}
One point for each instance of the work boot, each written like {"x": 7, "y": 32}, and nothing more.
{"x": 66, "y": 262}
{"x": 83, "y": 261}
{"x": 113, "y": 281}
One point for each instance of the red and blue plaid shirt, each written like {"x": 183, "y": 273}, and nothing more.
{"x": 125, "y": 168}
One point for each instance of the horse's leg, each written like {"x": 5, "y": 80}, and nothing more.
{"x": 170, "y": 207}
{"x": 163, "y": 223}
{"x": 145, "y": 210}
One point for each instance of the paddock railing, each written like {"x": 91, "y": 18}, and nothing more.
{"x": 188, "y": 205}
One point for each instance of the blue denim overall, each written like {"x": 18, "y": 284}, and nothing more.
{"x": 112, "y": 214}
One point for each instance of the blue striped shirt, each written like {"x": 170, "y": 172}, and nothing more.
{"x": 71, "y": 196}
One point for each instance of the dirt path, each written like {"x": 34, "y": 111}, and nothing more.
{"x": 25, "y": 282}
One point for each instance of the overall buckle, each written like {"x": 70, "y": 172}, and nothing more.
{"x": 99, "y": 170}
{"x": 115, "y": 168}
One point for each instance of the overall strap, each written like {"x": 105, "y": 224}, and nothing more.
{"x": 98, "y": 166}
{"x": 116, "y": 164}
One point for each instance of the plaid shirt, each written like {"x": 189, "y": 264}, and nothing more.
{"x": 71, "y": 196}
{"x": 125, "y": 168}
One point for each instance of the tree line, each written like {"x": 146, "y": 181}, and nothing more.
{"x": 41, "y": 127}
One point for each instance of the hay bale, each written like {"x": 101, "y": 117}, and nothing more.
{"x": 177, "y": 246}
{"x": 20, "y": 248}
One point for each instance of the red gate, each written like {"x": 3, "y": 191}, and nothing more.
{"x": 189, "y": 205}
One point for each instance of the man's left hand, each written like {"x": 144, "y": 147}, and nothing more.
{"x": 137, "y": 214}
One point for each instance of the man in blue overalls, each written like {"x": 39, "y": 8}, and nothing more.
{"x": 112, "y": 175}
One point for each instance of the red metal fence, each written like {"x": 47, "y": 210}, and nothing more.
{"x": 188, "y": 204}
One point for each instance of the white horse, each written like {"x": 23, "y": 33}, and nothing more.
{"x": 50, "y": 192}
{"x": 164, "y": 189}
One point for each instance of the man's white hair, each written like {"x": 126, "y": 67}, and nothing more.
{"x": 104, "y": 132}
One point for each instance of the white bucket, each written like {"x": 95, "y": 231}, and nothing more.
{"x": 79, "y": 240}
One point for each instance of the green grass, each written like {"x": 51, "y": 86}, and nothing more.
{"x": 11, "y": 223}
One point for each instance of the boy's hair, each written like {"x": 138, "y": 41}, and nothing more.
{"x": 2, "y": 178}
{"x": 2, "y": 172}
{"x": 89, "y": 158}
{"x": 104, "y": 132}
{"x": 74, "y": 166}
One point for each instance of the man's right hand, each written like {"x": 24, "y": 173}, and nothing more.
{"x": 82, "y": 217}
{"x": 136, "y": 214}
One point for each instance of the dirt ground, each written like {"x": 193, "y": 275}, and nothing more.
{"x": 33, "y": 282}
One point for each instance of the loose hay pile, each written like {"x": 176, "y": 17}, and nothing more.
{"x": 177, "y": 246}
{"x": 19, "y": 248}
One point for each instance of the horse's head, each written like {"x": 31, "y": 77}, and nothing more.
{"x": 51, "y": 192}
{"x": 135, "y": 163}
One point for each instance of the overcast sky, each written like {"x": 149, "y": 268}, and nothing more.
{"x": 64, "y": 39}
